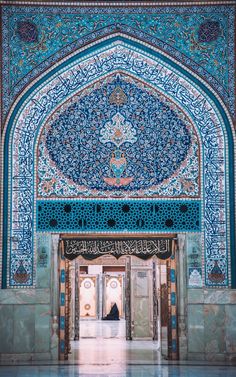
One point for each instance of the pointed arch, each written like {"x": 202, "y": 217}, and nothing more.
{"x": 76, "y": 71}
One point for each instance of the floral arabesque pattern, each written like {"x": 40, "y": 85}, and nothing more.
{"x": 75, "y": 150}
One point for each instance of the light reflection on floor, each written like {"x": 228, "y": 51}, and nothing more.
{"x": 104, "y": 343}
{"x": 107, "y": 371}
{"x": 103, "y": 351}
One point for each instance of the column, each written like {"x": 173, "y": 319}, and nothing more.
{"x": 54, "y": 294}
{"x": 182, "y": 295}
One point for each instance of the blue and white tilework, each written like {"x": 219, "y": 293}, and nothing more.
{"x": 122, "y": 139}
{"x": 200, "y": 37}
{"x": 50, "y": 103}
{"x": 118, "y": 103}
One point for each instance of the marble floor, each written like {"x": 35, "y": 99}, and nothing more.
{"x": 102, "y": 329}
{"x": 109, "y": 371}
{"x": 102, "y": 351}
{"x": 104, "y": 343}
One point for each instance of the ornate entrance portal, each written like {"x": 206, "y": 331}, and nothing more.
{"x": 118, "y": 138}
{"x": 143, "y": 288}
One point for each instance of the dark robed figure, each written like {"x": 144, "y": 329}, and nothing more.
{"x": 114, "y": 314}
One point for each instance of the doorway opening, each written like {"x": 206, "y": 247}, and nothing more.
{"x": 101, "y": 285}
{"x": 137, "y": 276}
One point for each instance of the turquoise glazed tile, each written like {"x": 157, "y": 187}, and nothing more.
{"x": 182, "y": 32}
{"x": 80, "y": 220}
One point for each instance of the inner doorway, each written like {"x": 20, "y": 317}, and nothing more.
{"x": 140, "y": 286}
{"x": 101, "y": 283}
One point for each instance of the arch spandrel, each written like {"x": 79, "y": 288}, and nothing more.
{"x": 177, "y": 86}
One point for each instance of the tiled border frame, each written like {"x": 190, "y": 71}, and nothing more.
{"x": 117, "y": 6}
{"x": 205, "y": 85}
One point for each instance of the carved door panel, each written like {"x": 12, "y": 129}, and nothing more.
{"x": 141, "y": 299}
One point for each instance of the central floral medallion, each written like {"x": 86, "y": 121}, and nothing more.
{"x": 118, "y": 131}
{"x": 118, "y": 138}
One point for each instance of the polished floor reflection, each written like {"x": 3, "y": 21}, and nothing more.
{"x": 103, "y": 343}
{"x": 102, "y": 351}
{"x": 128, "y": 371}
{"x": 102, "y": 329}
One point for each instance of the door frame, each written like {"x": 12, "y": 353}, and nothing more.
{"x": 65, "y": 291}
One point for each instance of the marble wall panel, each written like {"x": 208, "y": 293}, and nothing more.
{"x": 214, "y": 296}
{"x": 230, "y": 314}
{"x": 42, "y": 328}
{"x": 24, "y": 357}
{"x": 232, "y": 296}
{"x": 6, "y": 328}
{"x": 211, "y": 296}
{"x": 195, "y": 296}
{"x": 214, "y": 322}
{"x": 218, "y": 342}
{"x": 196, "y": 356}
{"x": 24, "y": 296}
{"x": 141, "y": 329}
{"x": 24, "y": 328}
{"x": 195, "y": 328}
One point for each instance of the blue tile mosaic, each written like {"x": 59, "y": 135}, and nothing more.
{"x": 200, "y": 37}
{"x": 180, "y": 88}
{"x": 125, "y": 215}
